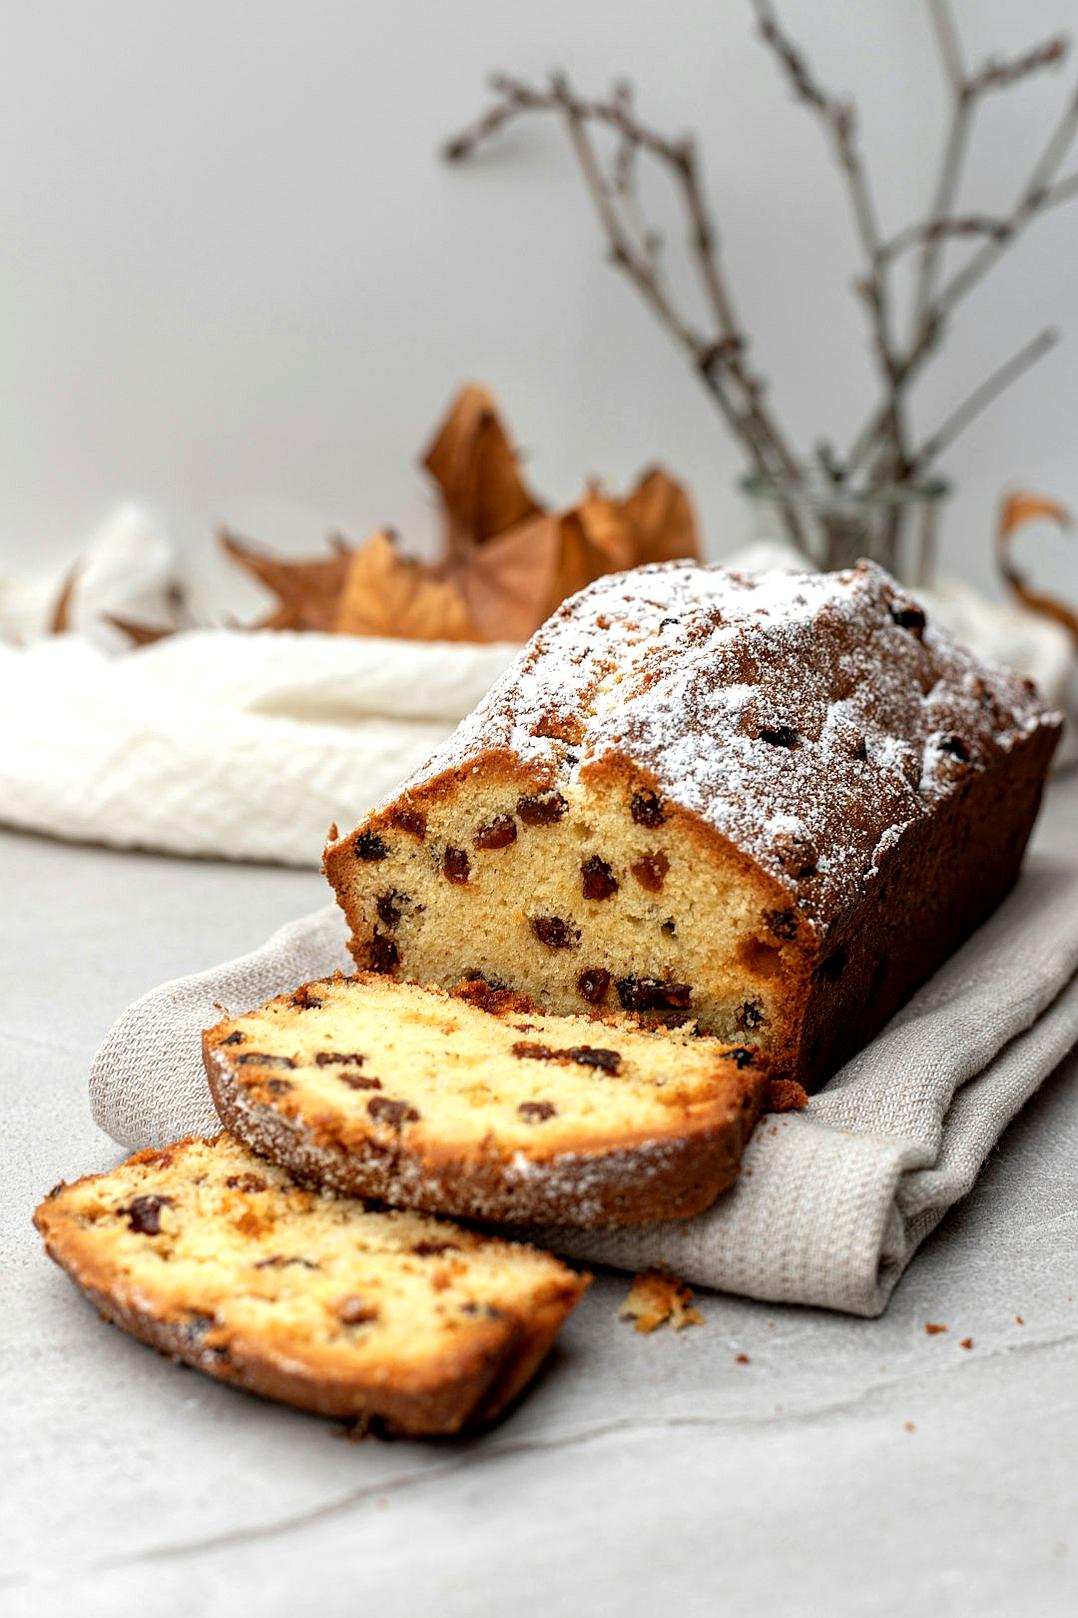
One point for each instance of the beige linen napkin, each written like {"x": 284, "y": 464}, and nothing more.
{"x": 832, "y": 1202}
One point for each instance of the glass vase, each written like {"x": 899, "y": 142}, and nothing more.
{"x": 834, "y": 526}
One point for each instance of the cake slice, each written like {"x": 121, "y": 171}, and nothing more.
{"x": 477, "y": 1104}
{"x": 773, "y": 803}
{"x": 221, "y": 1260}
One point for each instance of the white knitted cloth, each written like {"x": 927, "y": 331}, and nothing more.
{"x": 831, "y": 1203}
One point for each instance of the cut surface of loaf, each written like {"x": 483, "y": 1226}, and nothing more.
{"x": 771, "y": 802}
{"x": 477, "y": 1104}
{"x": 222, "y": 1260}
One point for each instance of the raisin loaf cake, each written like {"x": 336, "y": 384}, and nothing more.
{"x": 771, "y": 802}
{"x": 477, "y": 1104}
{"x": 223, "y": 1261}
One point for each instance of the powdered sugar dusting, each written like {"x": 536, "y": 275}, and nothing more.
{"x": 810, "y": 718}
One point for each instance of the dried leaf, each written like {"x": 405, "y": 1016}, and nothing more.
{"x": 1016, "y": 510}
{"x": 309, "y": 589}
{"x": 506, "y": 565}
{"x": 477, "y": 470}
{"x": 656, "y": 1298}
{"x": 386, "y": 594}
{"x": 60, "y": 621}
{"x": 138, "y": 634}
{"x": 662, "y": 519}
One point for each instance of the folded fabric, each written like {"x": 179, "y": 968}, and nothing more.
{"x": 832, "y": 1202}
{"x": 217, "y": 742}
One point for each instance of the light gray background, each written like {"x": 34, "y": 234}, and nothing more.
{"x": 237, "y": 284}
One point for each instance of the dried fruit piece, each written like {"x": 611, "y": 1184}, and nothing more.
{"x": 783, "y": 923}
{"x": 395, "y": 1113}
{"x": 429, "y": 1249}
{"x": 909, "y": 616}
{"x": 653, "y": 994}
{"x": 650, "y": 871}
{"x": 144, "y": 1214}
{"x": 382, "y": 953}
{"x": 739, "y": 1055}
{"x": 334, "y": 1058}
{"x": 537, "y": 1112}
{"x": 456, "y": 866}
{"x": 360, "y": 1081}
{"x": 390, "y": 907}
{"x": 554, "y": 932}
{"x": 647, "y": 809}
{"x": 264, "y": 1059}
{"x": 779, "y": 735}
{"x": 369, "y": 846}
{"x": 497, "y": 833}
{"x": 235, "y": 1039}
{"x": 593, "y": 985}
{"x": 413, "y": 821}
{"x": 245, "y": 1182}
{"x": 583, "y": 1055}
{"x": 542, "y": 809}
{"x": 751, "y": 1015}
{"x": 599, "y": 880}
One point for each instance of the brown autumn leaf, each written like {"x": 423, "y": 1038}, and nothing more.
{"x": 60, "y": 622}
{"x": 1015, "y": 511}
{"x": 660, "y": 514}
{"x": 387, "y": 594}
{"x": 308, "y": 589}
{"x": 137, "y": 633}
{"x": 478, "y": 472}
{"x": 507, "y": 563}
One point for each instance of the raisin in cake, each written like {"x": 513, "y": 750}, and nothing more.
{"x": 477, "y": 1104}
{"x": 222, "y": 1260}
{"x": 771, "y": 802}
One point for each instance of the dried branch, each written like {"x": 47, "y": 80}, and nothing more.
{"x": 840, "y": 123}
{"x": 981, "y": 397}
{"x": 720, "y": 358}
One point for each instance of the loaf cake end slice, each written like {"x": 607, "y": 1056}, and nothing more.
{"x": 223, "y": 1261}
{"x": 477, "y": 1104}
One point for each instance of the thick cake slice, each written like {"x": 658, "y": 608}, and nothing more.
{"x": 475, "y": 1103}
{"x": 772, "y": 803}
{"x": 222, "y": 1260}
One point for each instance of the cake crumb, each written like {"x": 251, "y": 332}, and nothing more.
{"x": 1018, "y": 1320}
{"x": 656, "y": 1298}
{"x": 743, "y": 1359}
{"x": 933, "y": 1328}
{"x": 907, "y": 1426}
{"x": 786, "y": 1095}
{"x": 967, "y": 1342}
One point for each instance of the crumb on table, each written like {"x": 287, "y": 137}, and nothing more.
{"x": 656, "y": 1298}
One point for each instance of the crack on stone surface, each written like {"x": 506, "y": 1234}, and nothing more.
{"x": 480, "y": 1451}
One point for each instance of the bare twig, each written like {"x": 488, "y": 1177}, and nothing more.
{"x": 981, "y": 397}
{"x": 720, "y": 359}
{"x": 716, "y": 342}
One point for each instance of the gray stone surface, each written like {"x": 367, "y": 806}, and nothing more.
{"x": 851, "y": 1467}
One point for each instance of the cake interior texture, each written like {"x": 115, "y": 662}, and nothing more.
{"x": 772, "y": 803}
{"x": 224, "y": 1260}
{"x": 382, "y": 1057}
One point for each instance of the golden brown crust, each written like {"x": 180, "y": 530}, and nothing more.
{"x": 672, "y": 1167}
{"x": 473, "y": 1383}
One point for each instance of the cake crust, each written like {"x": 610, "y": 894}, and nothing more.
{"x": 473, "y": 1357}
{"x": 478, "y": 1105}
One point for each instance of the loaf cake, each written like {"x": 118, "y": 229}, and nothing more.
{"x": 772, "y": 803}
{"x": 223, "y": 1261}
{"x": 477, "y": 1104}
